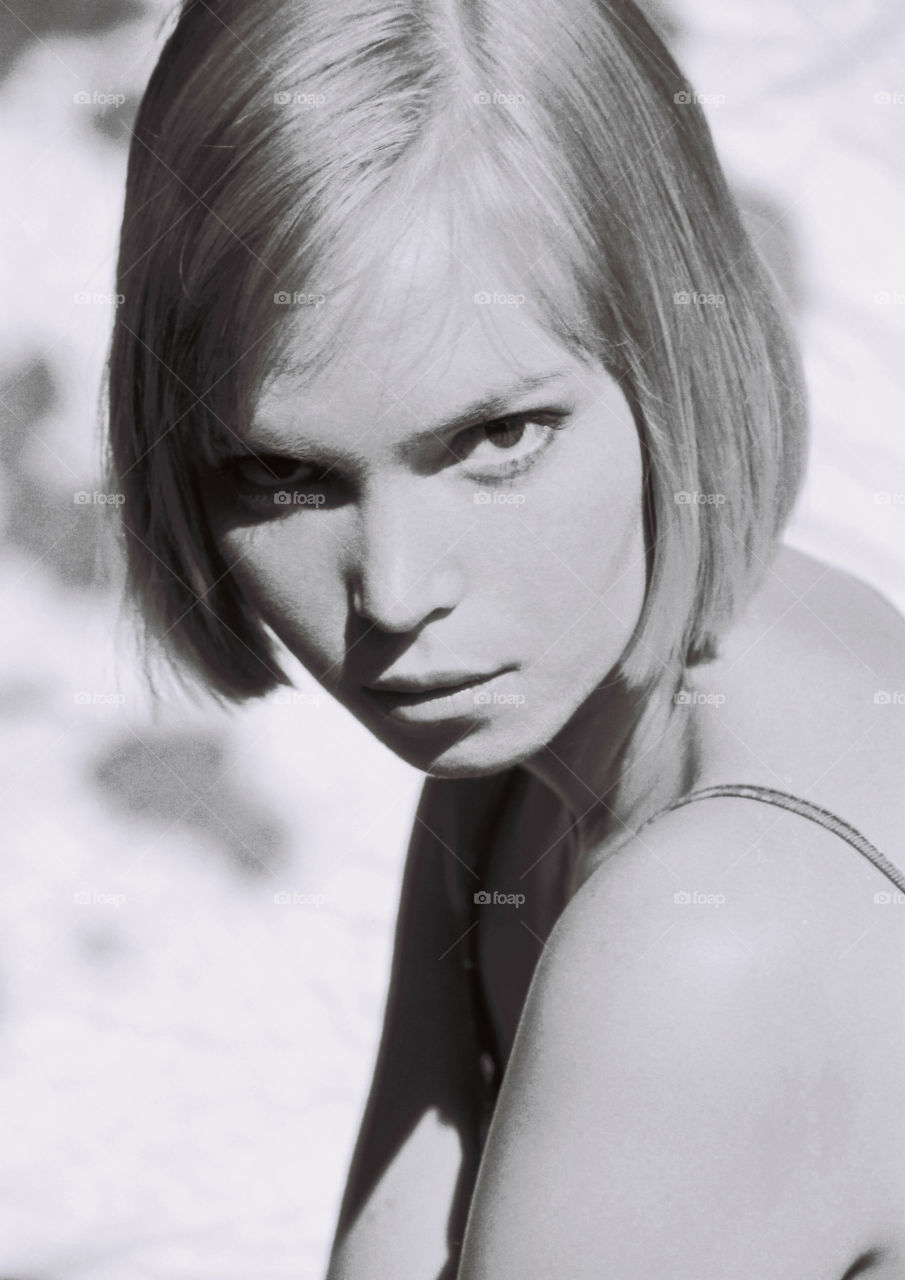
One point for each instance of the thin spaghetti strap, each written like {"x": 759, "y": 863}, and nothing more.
{"x": 795, "y": 804}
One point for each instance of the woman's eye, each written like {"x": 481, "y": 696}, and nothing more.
{"x": 491, "y": 452}
{"x": 271, "y": 470}
{"x": 509, "y": 446}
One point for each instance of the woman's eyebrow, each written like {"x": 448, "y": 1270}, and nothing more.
{"x": 494, "y": 404}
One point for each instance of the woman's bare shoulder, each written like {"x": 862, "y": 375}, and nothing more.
{"x": 744, "y": 896}
{"x": 821, "y": 597}
{"x": 733, "y": 900}
{"x": 811, "y": 685}
{"x": 774, "y": 870}
{"x": 703, "y": 1023}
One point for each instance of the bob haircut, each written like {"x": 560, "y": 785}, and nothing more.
{"x": 275, "y": 148}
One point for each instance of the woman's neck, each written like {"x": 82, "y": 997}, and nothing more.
{"x": 619, "y": 759}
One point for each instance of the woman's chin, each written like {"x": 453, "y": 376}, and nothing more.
{"x": 456, "y": 752}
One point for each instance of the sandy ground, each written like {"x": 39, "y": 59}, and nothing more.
{"x": 184, "y": 1053}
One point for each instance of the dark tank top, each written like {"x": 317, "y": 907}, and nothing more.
{"x": 489, "y": 1052}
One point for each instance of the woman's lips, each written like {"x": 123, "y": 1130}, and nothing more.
{"x": 474, "y": 698}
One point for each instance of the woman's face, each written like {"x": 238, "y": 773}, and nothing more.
{"x": 444, "y": 511}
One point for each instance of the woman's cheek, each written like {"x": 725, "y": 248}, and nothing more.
{"x": 297, "y": 593}
{"x": 603, "y": 534}
{"x": 594, "y": 513}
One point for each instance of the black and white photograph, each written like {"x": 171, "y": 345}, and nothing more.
{"x": 452, "y": 668}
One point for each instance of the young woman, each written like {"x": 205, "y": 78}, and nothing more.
{"x": 445, "y": 359}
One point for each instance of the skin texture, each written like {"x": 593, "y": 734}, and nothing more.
{"x": 692, "y": 1090}
{"x": 717, "y": 1084}
{"x": 724, "y": 1077}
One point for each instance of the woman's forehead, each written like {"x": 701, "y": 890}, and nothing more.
{"x": 385, "y": 384}
{"x": 437, "y": 320}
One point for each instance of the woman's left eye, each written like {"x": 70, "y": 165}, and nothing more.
{"x": 517, "y": 441}
{"x": 271, "y": 470}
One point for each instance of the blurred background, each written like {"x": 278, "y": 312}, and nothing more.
{"x": 196, "y": 906}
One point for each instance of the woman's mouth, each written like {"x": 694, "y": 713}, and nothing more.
{"x": 473, "y": 698}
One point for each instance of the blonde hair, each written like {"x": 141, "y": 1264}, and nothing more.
{"x": 271, "y": 142}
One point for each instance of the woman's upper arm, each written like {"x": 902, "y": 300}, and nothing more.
{"x": 678, "y": 1102}
{"x": 417, "y": 1151}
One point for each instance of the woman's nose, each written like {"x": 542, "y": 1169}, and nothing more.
{"x": 403, "y": 569}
